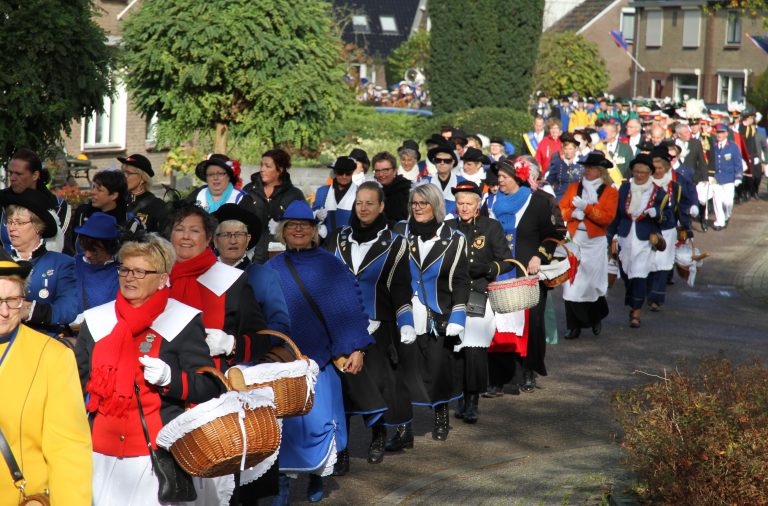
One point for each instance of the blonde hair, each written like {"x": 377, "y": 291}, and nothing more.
{"x": 18, "y": 279}
{"x": 156, "y": 250}
{"x": 37, "y": 223}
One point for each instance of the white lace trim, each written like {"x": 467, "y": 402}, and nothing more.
{"x": 263, "y": 373}
{"x": 254, "y": 473}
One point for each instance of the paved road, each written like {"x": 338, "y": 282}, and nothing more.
{"x": 557, "y": 445}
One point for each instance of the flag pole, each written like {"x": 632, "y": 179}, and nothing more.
{"x": 642, "y": 69}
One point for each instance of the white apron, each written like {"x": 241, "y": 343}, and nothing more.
{"x": 591, "y": 280}
{"x": 636, "y": 256}
{"x": 479, "y": 330}
{"x": 665, "y": 260}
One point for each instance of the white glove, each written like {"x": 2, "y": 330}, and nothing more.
{"x": 219, "y": 342}
{"x": 694, "y": 212}
{"x": 577, "y": 214}
{"x": 579, "y": 203}
{"x": 407, "y": 334}
{"x": 272, "y": 227}
{"x": 650, "y": 212}
{"x": 156, "y": 371}
{"x": 373, "y": 326}
{"x": 321, "y": 213}
{"x": 454, "y": 329}
{"x": 737, "y": 183}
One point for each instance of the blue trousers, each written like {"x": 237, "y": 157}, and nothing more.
{"x": 657, "y": 286}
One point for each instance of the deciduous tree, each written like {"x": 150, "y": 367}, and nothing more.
{"x": 569, "y": 62}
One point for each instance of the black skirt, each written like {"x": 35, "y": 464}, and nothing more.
{"x": 429, "y": 370}
{"x": 378, "y": 391}
{"x": 582, "y": 315}
{"x": 537, "y": 336}
{"x": 505, "y": 367}
{"x": 472, "y": 369}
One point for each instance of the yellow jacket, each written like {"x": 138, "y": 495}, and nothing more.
{"x": 42, "y": 415}
{"x": 581, "y": 118}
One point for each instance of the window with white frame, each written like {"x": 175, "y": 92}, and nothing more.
{"x": 653, "y": 28}
{"x": 731, "y": 87}
{"x": 106, "y": 129}
{"x": 388, "y": 24}
{"x": 151, "y": 134}
{"x": 627, "y": 24}
{"x": 733, "y": 28}
{"x": 360, "y": 24}
{"x": 686, "y": 85}
{"x": 691, "y": 27}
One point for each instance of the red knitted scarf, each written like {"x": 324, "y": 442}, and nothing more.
{"x": 184, "y": 285}
{"x": 113, "y": 367}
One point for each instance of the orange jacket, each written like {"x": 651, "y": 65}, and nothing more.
{"x": 597, "y": 217}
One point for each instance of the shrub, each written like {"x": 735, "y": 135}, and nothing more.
{"x": 569, "y": 62}
{"x": 491, "y": 121}
{"x": 701, "y": 437}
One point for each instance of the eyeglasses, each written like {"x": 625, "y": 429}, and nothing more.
{"x": 419, "y": 205}
{"x": 12, "y": 303}
{"x": 216, "y": 174}
{"x": 17, "y": 223}
{"x": 232, "y": 235}
{"x": 297, "y": 225}
{"x": 446, "y": 161}
{"x": 378, "y": 171}
{"x": 123, "y": 272}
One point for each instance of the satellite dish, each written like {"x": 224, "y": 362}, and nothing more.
{"x": 414, "y": 76}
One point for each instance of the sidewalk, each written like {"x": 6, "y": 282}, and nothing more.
{"x": 558, "y": 445}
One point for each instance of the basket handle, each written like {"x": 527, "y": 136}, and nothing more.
{"x": 215, "y": 372}
{"x": 521, "y": 266}
{"x": 558, "y": 242}
{"x": 291, "y": 344}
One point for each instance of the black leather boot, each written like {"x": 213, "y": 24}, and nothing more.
{"x": 460, "y": 408}
{"x": 529, "y": 381}
{"x": 440, "y": 432}
{"x": 703, "y": 220}
{"x": 471, "y": 413}
{"x": 403, "y": 438}
{"x": 341, "y": 467}
{"x": 378, "y": 440}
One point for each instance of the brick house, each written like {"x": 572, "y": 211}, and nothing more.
{"x": 595, "y": 19}
{"x": 119, "y": 130}
{"x": 687, "y": 51}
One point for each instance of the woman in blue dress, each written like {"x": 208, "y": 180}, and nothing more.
{"x": 327, "y": 321}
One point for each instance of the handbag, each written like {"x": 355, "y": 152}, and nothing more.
{"x": 18, "y": 477}
{"x": 175, "y": 485}
{"x": 476, "y": 303}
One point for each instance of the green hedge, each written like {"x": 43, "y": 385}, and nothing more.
{"x": 491, "y": 121}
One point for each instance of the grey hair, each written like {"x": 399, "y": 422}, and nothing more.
{"x": 154, "y": 249}
{"x": 682, "y": 126}
{"x": 232, "y": 223}
{"x": 534, "y": 164}
{"x": 407, "y": 152}
{"x": 434, "y": 198}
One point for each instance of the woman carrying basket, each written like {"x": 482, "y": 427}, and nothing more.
{"x": 144, "y": 340}
{"x": 519, "y": 344}
{"x": 486, "y": 250}
{"x": 589, "y": 206}
{"x": 327, "y": 321}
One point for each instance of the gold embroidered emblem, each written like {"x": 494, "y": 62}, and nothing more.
{"x": 479, "y": 242}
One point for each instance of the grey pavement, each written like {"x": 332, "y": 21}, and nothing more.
{"x": 559, "y": 445}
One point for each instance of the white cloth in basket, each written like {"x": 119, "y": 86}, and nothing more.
{"x": 271, "y": 371}
{"x": 254, "y": 473}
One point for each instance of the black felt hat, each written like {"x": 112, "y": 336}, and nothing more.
{"x": 643, "y": 159}
{"x": 33, "y": 201}
{"x": 435, "y": 139}
{"x": 344, "y": 165}
{"x": 10, "y": 268}
{"x": 467, "y": 186}
{"x": 360, "y": 155}
{"x": 661, "y": 151}
{"x": 596, "y": 159}
{"x": 238, "y": 213}
{"x": 443, "y": 147}
{"x": 141, "y": 162}
{"x": 410, "y": 144}
{"x": 474, "y": 155}
{"x": 218, "y": 160}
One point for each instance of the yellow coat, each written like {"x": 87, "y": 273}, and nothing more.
{"x": 42, "y": 415}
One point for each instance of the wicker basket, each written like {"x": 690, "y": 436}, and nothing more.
{"x": 514, "y": 294}
{"x": 565, "y": 263}
{"x": 216, "y": 447}
{"x": 293, "y": 396}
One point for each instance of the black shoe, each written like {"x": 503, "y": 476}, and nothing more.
{"x": 471, "y": 413}
{"x": 717, "y": 228}
{"x": 529, "y": 382}
{"x": 378, "y": 440}
{"x": 704, "y": 225}
{"x": 460, "y": 408}
{"x": 597, "y": 328}
{"x": 572, "y": 334}
{"x": 514, "y": 389}
{"x": 403, "y": 438}
{"x": 440, "y": 432}
{"x": 341, "y": 467}
{"x": 493, "y": 391}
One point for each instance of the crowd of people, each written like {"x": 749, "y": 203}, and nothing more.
{"x": 382, "y": 281}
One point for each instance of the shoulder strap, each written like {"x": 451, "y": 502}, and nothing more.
{"x": 5, "y": 449}
{"x": 152, "y": 454}
{"x": 305, "y": 293}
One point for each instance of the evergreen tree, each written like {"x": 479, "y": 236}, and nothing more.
{"x": 483, "y": 52}
{"x": 56, "y": 68}
{"x": 269, "y": 68}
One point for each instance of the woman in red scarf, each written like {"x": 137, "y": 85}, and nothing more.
{"x": 143, "y": 338}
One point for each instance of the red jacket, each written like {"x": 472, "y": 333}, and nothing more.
{"x": 547, "y": 148}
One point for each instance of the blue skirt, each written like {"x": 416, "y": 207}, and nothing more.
{"x": 310, "y": 440}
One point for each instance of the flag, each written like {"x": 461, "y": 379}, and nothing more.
{"x": 618, "y": 38}
{"x": 761, "y": 41}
